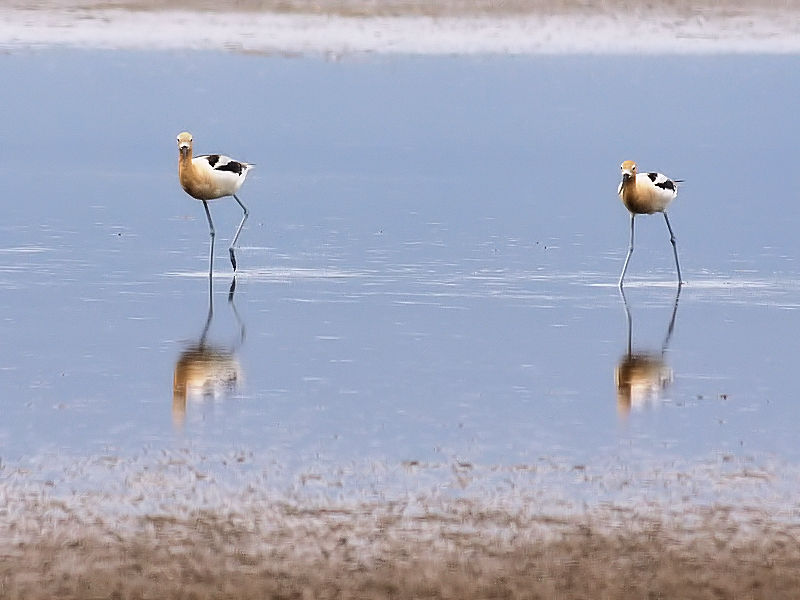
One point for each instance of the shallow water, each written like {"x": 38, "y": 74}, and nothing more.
{"x": 429, "y": 270}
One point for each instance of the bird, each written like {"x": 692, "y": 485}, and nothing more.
{"x": 645, "y": 194}
{"x": 208, "y": 177}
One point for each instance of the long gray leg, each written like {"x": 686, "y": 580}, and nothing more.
{"x": 630, "y": 251}
{"x": 212, "y": 233}
{"x": 238, "y": 231}
{"x": 674, "y": 249}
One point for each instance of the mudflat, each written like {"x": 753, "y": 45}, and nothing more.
{"x": 467, "y": 550}
{"x": 346, "y": 27}
{"x": 368, "y": 8}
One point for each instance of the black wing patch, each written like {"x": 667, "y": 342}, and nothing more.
{"x": 667, "y": 184}
{"x": 212, "y": 159}
{"x": 233, "y": 167}
{"x": 652, "y": 176}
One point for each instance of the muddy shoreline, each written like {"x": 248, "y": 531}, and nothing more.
{"x": 189, "y": 527}
{"x": 347, "y": 27}
{"x": 465, "y": 551}
{"x": 450, "y": 8}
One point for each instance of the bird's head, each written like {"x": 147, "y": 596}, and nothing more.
{"x": 628, "y": 170}
{"x": 185, "y": 143}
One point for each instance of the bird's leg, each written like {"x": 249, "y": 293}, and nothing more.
{"x": 212, "y": 233}
{"x": 674, "y": 249}
{"x": 630, "y": 251}
{"x": 238, "y": 231}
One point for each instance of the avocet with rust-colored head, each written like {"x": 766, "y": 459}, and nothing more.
{"x": 645, "y": 194}
{"x": 208, "y": 177}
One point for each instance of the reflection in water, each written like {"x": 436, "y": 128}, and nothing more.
{"x": 204, "y": 370}
{"x": 641, "y": 377}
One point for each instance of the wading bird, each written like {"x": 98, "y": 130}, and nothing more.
{"x": 645, "y": 194}
{"x": 209, "y": 177}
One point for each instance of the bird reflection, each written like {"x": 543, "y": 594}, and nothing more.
{"x": 641, "y": 377}
{"x": 207, "y": 371}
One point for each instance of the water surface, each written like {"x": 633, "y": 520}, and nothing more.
{"x": 429, "y": 271}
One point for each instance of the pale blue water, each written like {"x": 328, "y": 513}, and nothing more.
{"x": 429, "y": 270}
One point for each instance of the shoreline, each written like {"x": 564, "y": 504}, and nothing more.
{"x": 177, "y": 525}
{"x": 439, "y": 8}
{"x": 252, "y": 543}
{"x": 463, "y": 553}
{"x": 676, "y": 30}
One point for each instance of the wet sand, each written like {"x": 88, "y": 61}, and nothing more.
{"x": 397, "y": 27}
{"x": 465, "y": 550}
{"x": 171, "y": 529}
{"x": 373, "y": 8}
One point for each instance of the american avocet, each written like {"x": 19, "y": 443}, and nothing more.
{"x": 208, "y": 177}
{"x": 645, "y": 194}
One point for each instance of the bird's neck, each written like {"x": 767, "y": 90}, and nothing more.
{"x": 184, "y": 164}
{"x": 629, "y": 183}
